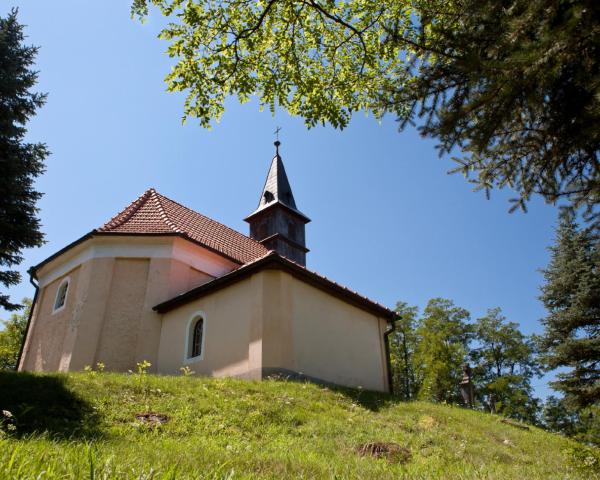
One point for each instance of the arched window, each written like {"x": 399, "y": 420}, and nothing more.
{"x": 61, "y": 295}
{"x": 194, "y": 340}
{"x": 196, "y": 337}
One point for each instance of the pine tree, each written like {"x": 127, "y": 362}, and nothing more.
{"x": 20, "y": 162}
{"x": 559, "y": 415}
{"x": 571, "y": 295}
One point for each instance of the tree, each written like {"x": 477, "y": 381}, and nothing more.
{"x": 558, "y": 415}
{"x": 505, "y": 363}
{"x": 514, "y": 83}
{"x": 319, "y": 60}
{"x": 571, "y": 295}
{"x": 402, "y": 349}
{"x": 12, "y": 336}
{"x": 443, "y": 337}
{"x": 20, "y": 162}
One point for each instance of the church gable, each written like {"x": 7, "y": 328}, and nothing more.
{"x": 274, "y": 261}
{"x": 267, "y": 319}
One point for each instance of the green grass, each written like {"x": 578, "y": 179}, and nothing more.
{"x": 83, "y": 426}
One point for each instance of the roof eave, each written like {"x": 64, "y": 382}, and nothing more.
{"x": 273, "y": 260}
{"x": 57, "y": 254}
{"x": 271, "y": 205}
{"x": 96, "y": 233}
{"x": 183, "y": 235}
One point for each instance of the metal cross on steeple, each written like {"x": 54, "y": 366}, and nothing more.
{"x": 277, "y": 142}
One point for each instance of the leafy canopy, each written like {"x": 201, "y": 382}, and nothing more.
{"x": 517, "y": 89}
{"x": 12, "y": 336}
{"x": 403, "y": 344}
{"x": 443, "y": 337}
{"x": 505, "y": 363}
{"x": 320, "y": 60}
{"x": 514, "y": 84}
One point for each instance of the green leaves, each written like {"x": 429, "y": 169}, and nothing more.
{"x": 513, "y": 84}
{"x": 428, "y": 353}
{"x": 443, "y": 339}
{"x": 12, "y": 336}
{"x": 505, "y": 363}
{"x": 322, "y": 61}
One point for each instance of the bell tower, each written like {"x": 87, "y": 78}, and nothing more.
{"x": 277, "y": 223}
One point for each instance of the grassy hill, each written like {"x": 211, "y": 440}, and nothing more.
{"x": 84, "y": 426}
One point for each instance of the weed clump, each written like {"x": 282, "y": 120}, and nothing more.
{"x": 387, "y": 450}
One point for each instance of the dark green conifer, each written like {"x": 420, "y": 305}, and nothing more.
{"x": 20, "y": 161}
{"x": 571, "y": 294}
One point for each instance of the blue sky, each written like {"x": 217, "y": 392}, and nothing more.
{"x": 387, "y": 220}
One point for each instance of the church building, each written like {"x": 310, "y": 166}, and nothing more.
{"x": 163, "y": 283}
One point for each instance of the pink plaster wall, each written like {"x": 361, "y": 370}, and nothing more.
{"x": 48, "y": 330}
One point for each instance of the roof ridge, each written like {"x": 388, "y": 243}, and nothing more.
{"x": 208, "y": 218}
{"x": 164, "y": 215}
{"x": 125, "y": 214}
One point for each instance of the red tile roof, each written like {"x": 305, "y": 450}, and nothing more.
{"x": 153, "y": 213}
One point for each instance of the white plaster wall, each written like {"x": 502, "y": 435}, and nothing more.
{"x": 336, "y": 341}
{"x": 230, "y": 317}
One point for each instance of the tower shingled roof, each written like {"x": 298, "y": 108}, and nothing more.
{"x": 277, "y": 187}
{"x": 153, "y": 213}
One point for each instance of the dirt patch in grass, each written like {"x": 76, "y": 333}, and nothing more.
{"x": 152, "y": 419}
{"x": 387, "y": 450}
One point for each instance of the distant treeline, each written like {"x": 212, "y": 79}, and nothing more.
{"x": 429, "y": 348}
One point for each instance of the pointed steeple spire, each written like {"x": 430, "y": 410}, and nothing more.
{"x": 277, "y": 223}
{"x": 277, "y": 187}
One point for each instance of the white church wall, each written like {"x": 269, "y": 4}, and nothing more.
{"x": 272, "y": 322}
{"x": 121, "y": 329}
{"x": 231, "y": 331}
{"x": 336, "y": 341}
{"x": 115, "y": 246}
